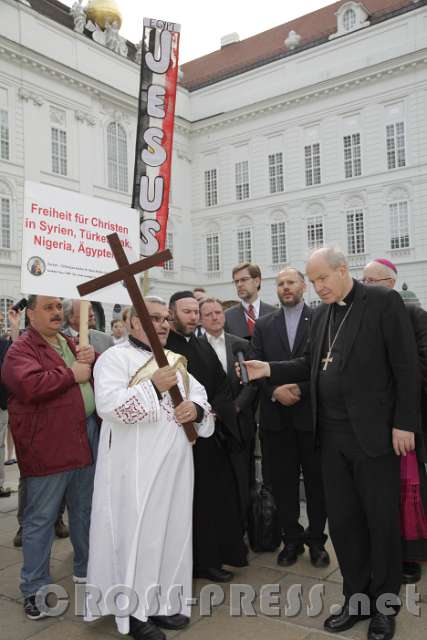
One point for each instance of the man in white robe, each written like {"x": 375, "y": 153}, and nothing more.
{"x": 141, "y": 523}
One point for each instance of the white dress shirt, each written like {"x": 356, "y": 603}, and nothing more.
{"x": 218, "y": 345}
{"x": 256, "y": 303}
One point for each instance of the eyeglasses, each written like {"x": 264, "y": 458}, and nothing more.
{"x": 159, "y": 319}
{"x": 243, "y": 279}
{"x": 374, "y": 280}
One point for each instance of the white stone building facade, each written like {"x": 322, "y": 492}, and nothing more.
{"x": 327, "y": 145}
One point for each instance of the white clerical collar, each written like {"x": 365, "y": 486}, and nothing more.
{"x": 256, "y": 304}
{"x": 211, "y": 338}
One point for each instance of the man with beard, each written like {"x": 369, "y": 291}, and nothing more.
{"x": 364, "y": 380}
{"x": 217, "y": 528}
{"x": 287, "y": 425}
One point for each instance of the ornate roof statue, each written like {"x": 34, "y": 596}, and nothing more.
{"x": 113, "y": 40}
{"x": 79, "y": 16}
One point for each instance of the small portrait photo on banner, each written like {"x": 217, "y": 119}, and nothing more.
{"x": 36, "y": 266}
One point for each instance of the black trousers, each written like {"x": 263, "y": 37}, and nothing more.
{"x": 285, "y": 453}
{"x": 363, "y": 499}
{"x": 217, "y": 521}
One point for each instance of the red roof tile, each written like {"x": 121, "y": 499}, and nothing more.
{"x": 314, "y": 28}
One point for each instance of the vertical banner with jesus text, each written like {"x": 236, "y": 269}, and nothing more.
{"x": 153, "y": 156}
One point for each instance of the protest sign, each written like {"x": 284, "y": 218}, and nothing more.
{"x": 153, "y": 153}
{"x": 65, "y": 243}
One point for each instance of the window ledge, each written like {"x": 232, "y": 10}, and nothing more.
{"x": 278, "y": 266}
{"x": 401, "y": 252}
{"x": 357, "y": 260}
{"x": 111, "y": 190}
{"x": 58, "y": 177}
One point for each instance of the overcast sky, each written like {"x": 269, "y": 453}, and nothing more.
{"x": 203, "y": 23}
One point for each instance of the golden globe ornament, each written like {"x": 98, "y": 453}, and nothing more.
{"x": 102, "y": 12}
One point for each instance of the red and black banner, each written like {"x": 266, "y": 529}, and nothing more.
{"x": 153, "y": 155}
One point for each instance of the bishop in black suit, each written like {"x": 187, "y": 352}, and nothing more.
{"x": 364, "y": 379}
{"x": 286, "y": 425}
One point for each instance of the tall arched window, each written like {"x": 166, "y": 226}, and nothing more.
{"x": 349, "y": 19}
{"x": 117, "y": 157}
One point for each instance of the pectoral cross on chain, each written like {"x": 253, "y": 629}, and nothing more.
{"x": 126, "y": 273}
{"x": 327, "y": 360}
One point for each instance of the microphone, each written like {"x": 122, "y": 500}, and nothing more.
{"x": 240, "y": 351}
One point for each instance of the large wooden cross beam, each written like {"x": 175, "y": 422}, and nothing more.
{"x": 126, "y": 273}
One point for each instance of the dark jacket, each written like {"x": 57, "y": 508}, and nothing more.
{"x": 99, "y": 340}
{"x": 46, "y": 410}
{"x": 244, "y": 396}
{"x": 418, "y": 317}
{"x": 204, "y": 365}
{"x": 270, "y": 342}
{"x": 235, "y": 319}
{"x": 380, "y": 372}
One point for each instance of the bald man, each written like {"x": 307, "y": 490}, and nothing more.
{"x": 363, "y": 370}
{"x": 381, "y": 272}
{"x": 286, "y": 425}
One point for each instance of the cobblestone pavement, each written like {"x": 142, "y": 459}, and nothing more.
{"x": 228, "y": 620}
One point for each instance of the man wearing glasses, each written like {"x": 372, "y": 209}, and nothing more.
{"x": 383, "y": 273}
{"x": 240, "y": 319}
{"x": 141, "y": 520}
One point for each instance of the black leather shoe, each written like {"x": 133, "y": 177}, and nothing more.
{"x": 411, "y": 572}
{"x": 214, "y": 574}
{"x": 177, "y": 621}
{"x": 381, "y": 627}
{"x": 342, "y": 621}
{"x": 144, "y": 630}
{"x": 319, "y": 556}
{"x": 289, "y": 554}
{"x": 61, "y": 529}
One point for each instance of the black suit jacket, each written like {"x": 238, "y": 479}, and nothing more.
{"x": 270, "y": 342}
{"x": 235, "y": 319}
{"x": 380, "y": 371}
{"x": 418, "y": 317}
{"x": 205, "y": 366}
{"x": 245, "y": 396}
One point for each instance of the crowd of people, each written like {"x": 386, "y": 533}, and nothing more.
{"x": 337, "y": 394}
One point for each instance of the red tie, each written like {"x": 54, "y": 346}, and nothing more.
{"x": 250, "y": 319}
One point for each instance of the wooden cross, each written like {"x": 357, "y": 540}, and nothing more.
{"x": 327, "y": 360}
{"x": 126, "y": 273}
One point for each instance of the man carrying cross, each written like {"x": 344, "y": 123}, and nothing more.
{"x": 141, "y": 526}
{"x": 362, "y": 365}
